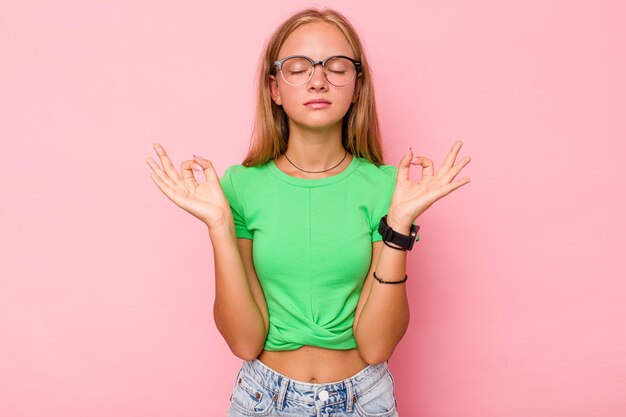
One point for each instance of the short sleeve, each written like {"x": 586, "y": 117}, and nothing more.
{"x": 379, "y": 211}
{"x": 235, "y": 204}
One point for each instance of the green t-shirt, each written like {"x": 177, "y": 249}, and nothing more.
{"x": 312, "y": 245}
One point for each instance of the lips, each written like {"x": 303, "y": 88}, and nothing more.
{"x": 317, "y": 104}
{"x": 317, "y": 100}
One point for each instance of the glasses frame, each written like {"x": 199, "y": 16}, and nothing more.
{"x": 357, "y": 67}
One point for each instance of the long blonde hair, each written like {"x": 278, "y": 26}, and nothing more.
{"x": 360, "y": 132}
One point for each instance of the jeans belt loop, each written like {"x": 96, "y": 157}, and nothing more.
{"x": 350, "y": 394}
{"x": 284, "y": 383}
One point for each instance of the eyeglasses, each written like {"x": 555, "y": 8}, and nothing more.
{"x": 297, "y": 70}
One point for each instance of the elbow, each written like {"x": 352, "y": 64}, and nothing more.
{"x": 373, "y": 357}
{"x": 247, "y": 353}
{"x": 246, "y": 356}
{"x": 244, "y": 345}
{"x": 246, "y": 349}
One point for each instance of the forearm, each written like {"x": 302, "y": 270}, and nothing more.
{"x": 236, "y": 314}
{"x": 385, "y": 316}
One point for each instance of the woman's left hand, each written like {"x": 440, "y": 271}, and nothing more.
{"x": 410, "y": 199}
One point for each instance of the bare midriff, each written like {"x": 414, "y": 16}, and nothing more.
{"x": 314, "y": 365}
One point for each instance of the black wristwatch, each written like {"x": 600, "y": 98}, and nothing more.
{"x": 391, "y": 236}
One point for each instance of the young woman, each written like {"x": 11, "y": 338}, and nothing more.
{"x": 309, "y": 293}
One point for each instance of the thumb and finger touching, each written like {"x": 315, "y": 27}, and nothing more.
{"x": 189, "y": 179}
{"x": 198, "y": 164}
{"x": 203, "y": 199}
{"x": 170, "y": 181}
{"x": 408, "y": 159}
{"x": 441, "y": 184}
{"x": 207, "y": 168}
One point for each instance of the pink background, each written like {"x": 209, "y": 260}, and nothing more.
{"x": 517, "y": 287}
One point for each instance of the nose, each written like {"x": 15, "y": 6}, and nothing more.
{"x": 318, "y": 78}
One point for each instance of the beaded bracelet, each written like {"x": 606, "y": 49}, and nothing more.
{"x": 390, "y": 282}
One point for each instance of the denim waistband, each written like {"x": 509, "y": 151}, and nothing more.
{"x": 308, "y": 393}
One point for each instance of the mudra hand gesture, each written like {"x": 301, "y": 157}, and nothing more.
{"x": 410, "y": 199}
{"x": 205, "y": 201}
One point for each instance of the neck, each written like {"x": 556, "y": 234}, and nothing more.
{"x": 315, "y": 149}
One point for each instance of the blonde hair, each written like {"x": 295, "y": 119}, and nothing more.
{"x": 360, "y": 132}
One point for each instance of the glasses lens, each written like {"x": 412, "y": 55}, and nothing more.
{"x": 296, "y": 71}
{"x": 340, "y": 71}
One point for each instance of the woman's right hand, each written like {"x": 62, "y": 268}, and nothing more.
{"x": 205, "y": 201}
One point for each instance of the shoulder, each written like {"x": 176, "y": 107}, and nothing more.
{"x": 239, "y": 181}
{"x": 241, "y": 173}
{"x": 237, "y": 169}
{"x": 383, "y": 173}
{"x": 243, "y": 182}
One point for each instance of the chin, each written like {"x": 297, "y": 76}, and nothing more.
{"x": 318, "y": 122}
{"x": 322, "y": 125}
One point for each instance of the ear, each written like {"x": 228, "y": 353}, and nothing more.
{"x": 357, "y": 88}
{"x": 274, "y": 91}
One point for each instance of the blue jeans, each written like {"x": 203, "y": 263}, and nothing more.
{"x": 260, "y": 391}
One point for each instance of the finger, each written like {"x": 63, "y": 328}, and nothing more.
{"x": 452, "y": 173}
{"x": 428, "y": 167}
{"x": 168, "y": 166}
{"x": 404, "y": 166}
{"x": 447, "y": 164}
{"x": 187, "y": 167}
{"x": 160, "y": 174}
{"x": 454, "y": 185}
{"x": 209, "y": 171}
{"x": 165, "y": 189}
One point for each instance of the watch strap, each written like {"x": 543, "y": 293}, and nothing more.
{"x": 391, "y": 236}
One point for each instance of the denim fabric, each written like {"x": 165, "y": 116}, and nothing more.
{"x": 260, "y": 391}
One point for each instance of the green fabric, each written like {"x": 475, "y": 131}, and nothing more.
{"x": 312, "y": 245}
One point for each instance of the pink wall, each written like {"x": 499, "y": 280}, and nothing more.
{"x": 516, "y": 288}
